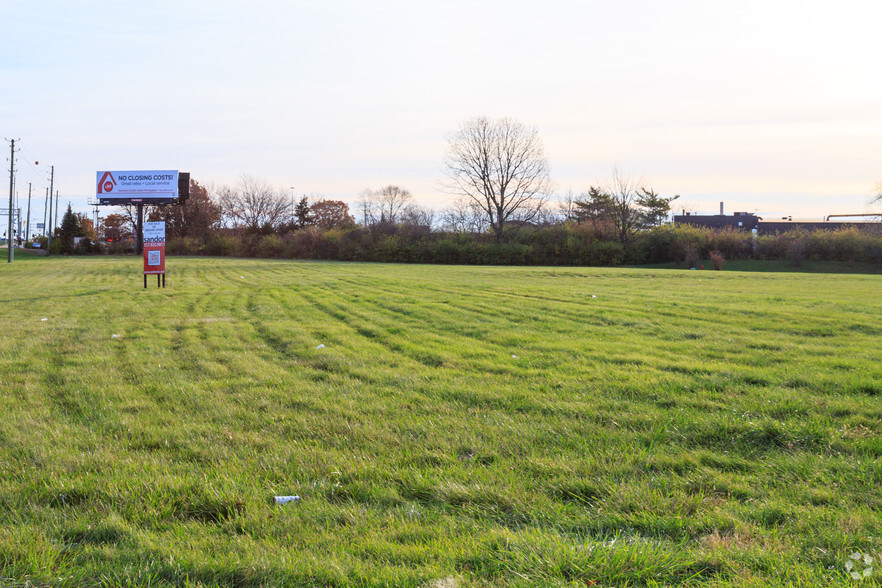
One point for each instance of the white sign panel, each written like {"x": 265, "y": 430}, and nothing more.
{"x": 143, "y": 184}
{"x": 154, "y": 232}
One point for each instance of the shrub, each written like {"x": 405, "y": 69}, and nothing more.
{"x": 731, "y": 243}
{"x": 183, "y": 246}
{"x": 120, "y": 247}
{"x": 691, "y": 257}
{"x": 56, "y": 247}
{"x": 270, "y": 246}
{"x": 85, "y": 247}
{"x": 796, "y": 252}
{"x": 717, "y": 260}
{"x": 606, "y": 253}
{"x": 222, "y": 244}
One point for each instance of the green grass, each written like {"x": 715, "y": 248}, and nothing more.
{"x": 461, "y": 426}
{"x": 779, "y": 266}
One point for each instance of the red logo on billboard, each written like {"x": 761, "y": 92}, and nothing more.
{"x": 106, "y": 183}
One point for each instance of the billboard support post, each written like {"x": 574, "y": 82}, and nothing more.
{"x": 139, "y": 230}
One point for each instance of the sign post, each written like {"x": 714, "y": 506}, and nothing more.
{"x": 154, "y": 251}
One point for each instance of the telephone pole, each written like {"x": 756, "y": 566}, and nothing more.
{"x": 45, "y": 207}
{"x": 28, "y": 224}
{"x": 11, "y": 176}
{"x": 45, "y": 226}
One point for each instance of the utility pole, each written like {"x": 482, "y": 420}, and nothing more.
{"x": 28, "y": 224}
{"x": 11, "y": 176}
{"x": 55, "y": 223}
{"x": 45, "y": 226}
{"x": 45, "y": 205}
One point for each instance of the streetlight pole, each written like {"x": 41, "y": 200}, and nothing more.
{"x": 292, "y": 206}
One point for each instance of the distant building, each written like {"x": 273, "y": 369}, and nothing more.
{"x": 740, "y": 220}
{"x": 745, "y": 221}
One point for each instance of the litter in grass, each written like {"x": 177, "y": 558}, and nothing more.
{"x": 448, "y": 582}
{"x": 851, "y": 566}
{"x": 593, "y": 296}
{"x": 44, "y": 320}
{"x": 514, "y": 356}
{"x": 287, "y": 499}
{"x": 321, "y": 346}
{"x": 114, "y": 336}
{"x": 243, "y": 277}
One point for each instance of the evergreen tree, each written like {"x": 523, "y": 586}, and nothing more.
{"x": 70, "y": 228}
{"x": 303, "y": 216}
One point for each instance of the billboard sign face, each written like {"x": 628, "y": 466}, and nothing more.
{"x": 154, "y": 248}
{"x": 149, "y": 186}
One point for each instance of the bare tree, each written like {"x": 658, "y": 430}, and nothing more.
{"x": 463, "y": 216}
{"x": 566, "y": 206}
{"x": 418, "y": 216}
{"x": 365, "y": 205}
{"x": 623, "y": 191}
{"x": 253, "y": 205}
{"x": 500, "y": 166}
{"x": 387, "y": 205}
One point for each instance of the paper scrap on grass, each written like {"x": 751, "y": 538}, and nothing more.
{"x": 321, "y": 346}
{"x": 114, "y": 336}
{"x": 287, "y": 499}
{"x": 44, "y": 320}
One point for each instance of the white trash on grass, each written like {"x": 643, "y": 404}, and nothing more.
{"x": 321, "y": 346}
{"x": 287, "y": 499}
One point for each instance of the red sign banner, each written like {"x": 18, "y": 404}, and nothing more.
{"x": 154, "y": 258}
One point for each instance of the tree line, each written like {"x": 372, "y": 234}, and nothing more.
{"x": 502, "y": 211}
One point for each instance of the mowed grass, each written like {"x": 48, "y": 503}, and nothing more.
{"x": 461, "y": 425}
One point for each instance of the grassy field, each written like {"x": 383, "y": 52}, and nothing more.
{"x": 461, "y": 425}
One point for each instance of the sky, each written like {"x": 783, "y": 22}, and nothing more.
{"x": 771, "y": 106}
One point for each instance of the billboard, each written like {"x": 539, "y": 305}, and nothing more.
{"x": 140, "y": 186}
{"x": 154, "y": 248}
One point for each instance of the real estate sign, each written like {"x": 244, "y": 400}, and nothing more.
{"x": 154, "y": 248}
{"x": 137, "y": 186}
